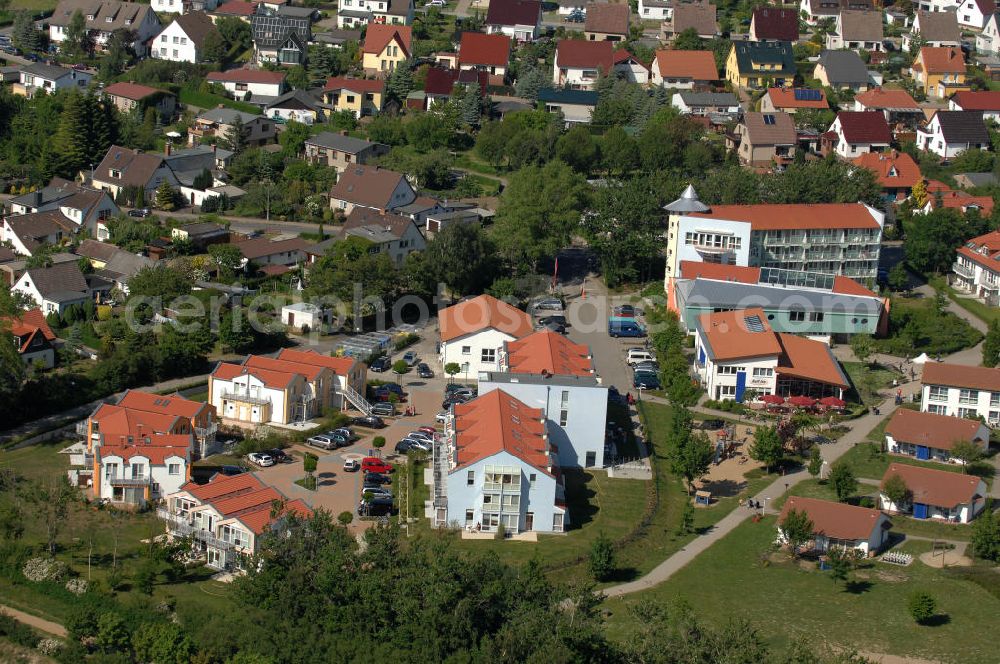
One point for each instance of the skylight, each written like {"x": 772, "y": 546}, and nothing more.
{"x": 754, "y": 323}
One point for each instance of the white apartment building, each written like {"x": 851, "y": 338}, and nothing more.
{"x": 977, "y": 268}
{"x": 134, "y": 475}
{"x": 103, "y": 17}
{"x": 961, "y": 391}
{"x": 255, "y": 82}
{"x": 473, "y": 333}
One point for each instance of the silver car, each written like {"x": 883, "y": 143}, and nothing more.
{"x": 323, "y": 442}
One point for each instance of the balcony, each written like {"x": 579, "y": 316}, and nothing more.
{"x": 81, "y": 428}
{"x": 243, "y": 397}
{"x": 206, "y": 432}
{"x": 129, "y": 481}
{"x": 180, "y": 526}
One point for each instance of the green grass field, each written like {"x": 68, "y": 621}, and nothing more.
{"x": 33, "y": 5}
{"x": 787, "y": 602}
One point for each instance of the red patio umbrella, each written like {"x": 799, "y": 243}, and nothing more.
{"x": 833, "y": 402}
{"x": 772, "y": 399}
{"x": 803, "y": 402}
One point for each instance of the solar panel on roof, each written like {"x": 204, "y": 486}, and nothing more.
{"x": 769, "y": 119}
{"x": 754, "y": 323}
{"x": 807, "y": 94}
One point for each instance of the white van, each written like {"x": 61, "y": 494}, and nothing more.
{"x": 637, "y": 355}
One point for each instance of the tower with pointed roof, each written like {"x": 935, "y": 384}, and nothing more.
{"x": 686, "y": 204}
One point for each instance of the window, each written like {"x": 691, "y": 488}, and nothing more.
{"x": 469, "y": 516}
{"x": 174, "y": 469}
{"x": 531, "y": 479}
{"x": 796, "y": 316}
{"x": 111, "y": 471}
{"x": 184, "y": 40}
{"x": 967, "y": 412}
{"x": 994, "y": 416}
{"x": 937, "y": 409}
{"x": 177, "y": 39}
{"x": 563, "y": 417}
{"x": 938, "y": 393}
{"x": 564, "y": 399}
{"x": 968, "y": 397}
{"x": 470, "y": 478}
{"x": 995, "y": 398}
{"x": 816, "y": 317}
{"x": 762, "y": 372}
{"x": 591, "y": 459}
{"x": 466, "y": 350}
{"x": 488, "y": 356}
{"x": 163, "y": 38}
{"x": 730, "y": 371}
{"x": 726, "y": 390}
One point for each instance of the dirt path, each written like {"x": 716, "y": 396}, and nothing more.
{"x": 34, "y": 621}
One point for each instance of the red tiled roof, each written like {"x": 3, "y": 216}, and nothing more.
{"x": 236, "y": 8}
{"x": 774, "y": 23}
{"x": 696, "y": 65}
{"x": 835, "y": 520}
{"x": 308, "y": 371}
{"x": 930, "y": 430}
{"x": 260, "y": 247}
{"x": 223, "y": 485}
{"x": 784, "y": 216}
{"x": 379, "y": 35}
{"x": 892, "y": 169}
{"x": 275, "y": 270}
{"x": 513, "y": 12}
{"x": 167, "y": 404}
{"x": 864, "y": 127}
{"x": 607, "y": 18}
{"x": 481, "y": 313}
{"x": 340, "y": 365}
{"x": 26, "y": 325}
{"x": 157, "y": 454}
{"x": 978, "y": 101}
{"x": 354, "y": 84}
{"x": 244, "y": 75}
{"x": 960, "y": 375}
{"x": 961, "y": 200}
{"x": 548, "y": 352}
{"x": 132, "y": 91}
{"x": 809, "y": 360}
{"x": 990, "y": 260}
{"x": 258, "y": 519}
{"x": 498, "y": 422}
{"x": 119, "y": 422}
{"x": 622, "y": 55}
{"x": 878, "y": 99}
{"x": 477, "y": 48}
{"x": 941, "y": 60}
{"x": 848, "y": 286}
{"x": 729, "y": 336}
{"x": 940, "y": 488}
{"x": 699, "y": 270}
{"x": 578, "y": 53}
{"x": 277, "y": 379}
{"x": 785, "y": 98}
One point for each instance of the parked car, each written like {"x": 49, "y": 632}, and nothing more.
{"x": 392, "y": 387}
{"x": 383, "y": 393}
{"x": 261, "y": 459}
{"x": 708, "y": 425}
{"x": 421, "y": 435}
{"x": 376, "y": 490}
{"x": 410, "y": 357}
{"x": 384, "y": 408}
{"x": 442, "y": 417}
{"x": 635, "y": 355}
{"x": 431, "y": 430}
{"x": 140, "y": 213}
{"x": 436, "y": 3}
{"x": 548, "y": 304}
{"x": 375, "y": 465}
{"x": 377, "y": 478}
{"x": 576, "y": 16}
{"x": 419, "y": 444}
{"x": 232, "y": 470}
{"x": 555, "y": 327}
{"x": 323, "y": 441}
{"x": 369, "y": 422}
{"x": 625, "y": 327}
{"x": 454, "y": 399}
{"x": 404, "y": 446}
{"x": 424, "y": 371}
{"x": 646, "y": 380}
{"x": 280, "y": 456}
{"x": 345, "y": 432}
{"x": 352, "y": 466}
{"x": 626, "y": 311}
{"x": 649, "y": 365}
{"x": 455, "y": 387}
{"x": 377, "y": 506}
{"x": 380, "y": 364}
{"x": 557, "y": 319}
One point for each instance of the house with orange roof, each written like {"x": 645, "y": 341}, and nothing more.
{"x": 839, "y": 525}
{"x": 33, "y": 337}
{"x": 931, "y": 437}
{"x": 789, "y": 100}
{"x": 897, "y": 173}
{"x": 940, "y": 72}
{"x": 547, "y": 369}
{"x": 474, "y": 331}
{"x": 126, "y": 96}
{"x": 385, "y": 47}
{"x": 820, "y": 306}
{"x": 198, "y": 417}
{"x": 488, "y": 53}
{"x": 137, "y": 474}
{"x": 684, "y": 70}
{"x": 986, "y": 102}
{"x": 500, "y": 470}
{"x": 961, "y": 391}
{"x": 977, "y": 268}
{"x": 936, "y": 494}
{"x": 895, "y": 105}
{"x": 737, "y": 350}
{"x": 227, "y": 518}
{"x": 833, "y": 238}
{"x": 956, "y": 199}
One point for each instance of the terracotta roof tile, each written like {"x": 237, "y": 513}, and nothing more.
{"x": 514, "y": 12}
{"x": 578, "y": 53}
{"x": 132, "y": 91}
{"x": 978, "y": 101}
{"x": 864, "y": 127}
{"x": 340, "y": 365}
{"x": 878, "y": 99}
{"x": 236, "y": 8}
{"x": 477, "y": 48}
{"x": 729, "y": 335}
{"x": 782, "y": 216}
{"x": 696, "y": 65}
{"x": 835, "y": 520}
{"x": 354, "y": 84}
{"x": 699, "y": 270}
{"x": 931, "y": 430}
{"x": 498, "y": 422}
{"x": 892, "y": 169}
{"x": 379, "y": 35}
{"x": 547, "y": 351}
{"x": 810, "y": 360}
{"x": 309, "y": 371}
{"x": 607, "y": 18}
{"x": 942, "y": 59}
{"x": 28, "y": 323}
{"x": 939, "y": 488}
{"x": 787, "y": 98}
{"x": 224, "y": 485}
{"x": 481, "y": 313}
{"x": 959, "y": 375}
{"x": 277, "y": 379}
{"x": 157, "y": 454}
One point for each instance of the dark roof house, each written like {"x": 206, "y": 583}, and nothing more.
{"x": 774, "y": 23}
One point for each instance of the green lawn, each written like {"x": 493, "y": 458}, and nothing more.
{"x": 915, "y": 327}
{"x": 34, "y": 5}
{"x": 867, "y": 460}
{"x": 788, "y": 602}
{"x": 207, "y": 100}
{"x": 983, "y": 312}
{"x": 868, "y": 380}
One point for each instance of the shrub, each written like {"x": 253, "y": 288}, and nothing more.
{"x": 602, "y": 557}
{"x": 44, "y": 569}
{"x": 77, "y": 586}
{"x": 345, "y": 518}
{"x": 50, "y": 647}
{"x": 922, "y": 606}
{"x": 17, "y": 632}
{"x": 378, "y": 442}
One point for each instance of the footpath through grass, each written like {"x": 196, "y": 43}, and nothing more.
{"x": 788, "y": 601}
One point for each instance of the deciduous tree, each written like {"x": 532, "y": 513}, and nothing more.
{"x": 842, "y": 478}
{"x": 894, "y": 488}
{"x": 797, "y": 528}
{"x": 602, "y": 557}
{"x": 767, "y": 447}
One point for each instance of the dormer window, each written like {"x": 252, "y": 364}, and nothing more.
{"x": 109, "y": 20}
{"x": 115, "y": 173}
{"x": 90, "y": 17}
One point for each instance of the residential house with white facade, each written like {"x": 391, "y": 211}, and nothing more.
{"x": 340, "y": 151}
{"x": 933, "y": 29}
{"x": 961, "y": 391}
{"x": 102, "y": 18}
{"x": 391, "y": 234}
{"x": 497, "y": 468}
{"x": 55, "y": 288}
{"x": 988, "y": 41}
{"x": 816, "y": 10}
{"x": 147, "y": 471}
{"x": 518, "y": 19}
{"x": 950, "y": 133}
{"x": 473, "y": 333}
{"x": 839, "y": 525}
{"x": 857, "y": 30}
{"x": 578, "y": 63}
{"x": 227, "y": 518}
{"x": 370, "y": 187}
{"x": 931, "y": 437}
{"x": 684, "y": 70}
{"x": 656, "y": 10}
{"x": 38, "y": 76}
{"x": 244, "y": 83}
{"x": 977, "y": 268}
{"x": 856, "y": 133}
{"x": 736, "y": 351}
{"x": 33, "y": 337}
{"x": 936, "y": 494}
{"x": 720, "y": 105}
{"x": 974, "y": 13}
{"x": 358, "y": 13}
{"x": 546, "y": 370}
{"x": 184, "y": 38}
{"x": 986, "y": 102}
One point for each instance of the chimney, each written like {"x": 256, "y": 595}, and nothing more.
{"x": 38, "y": 197}
{"x": 167, "y": 148}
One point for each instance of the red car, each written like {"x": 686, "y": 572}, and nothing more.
{"x": 428, "y": 430}
{"x": 375, "y": 465}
